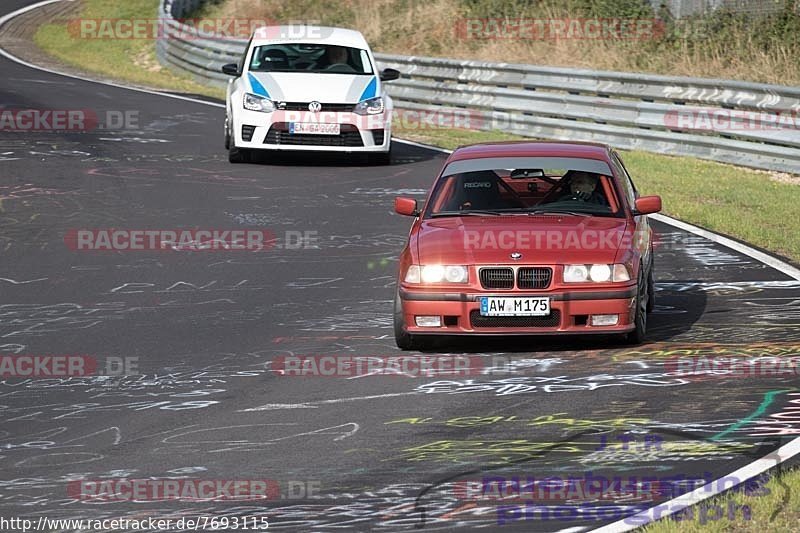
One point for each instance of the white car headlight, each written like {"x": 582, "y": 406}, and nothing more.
{"x": 600, "y": 273}
{"x": 437, "y": 274}
{"x": 373, "y": 106}
{"x": 254, "y": 102}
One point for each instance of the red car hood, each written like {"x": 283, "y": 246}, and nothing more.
{"x": 541, "y": 239}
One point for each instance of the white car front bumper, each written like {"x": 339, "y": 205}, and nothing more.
{"x": 270, "y": 131}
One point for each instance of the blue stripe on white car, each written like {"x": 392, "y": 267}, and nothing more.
{"x": 370, "y": 91}
{"x": 256, "y": 86}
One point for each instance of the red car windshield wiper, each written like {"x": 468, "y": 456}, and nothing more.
{"x": 559, "y": 212}
{"x": 469, "y": 212}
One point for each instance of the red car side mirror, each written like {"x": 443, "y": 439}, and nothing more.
{"x": 646, "y": 205}
{"x": 406, "y": 206}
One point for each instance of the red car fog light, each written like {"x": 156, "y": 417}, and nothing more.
{"x": 425, "y": 321}
{"x": 604, "y": 320}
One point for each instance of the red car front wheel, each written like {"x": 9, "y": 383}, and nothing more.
{"x": 637, "y": 336}
{"x": 403, "y": 339}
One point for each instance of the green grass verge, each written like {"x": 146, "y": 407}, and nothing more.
{"x": 746, "y": 204}
{"x": 762, "y": 508}
{"x": 132, "y": 60}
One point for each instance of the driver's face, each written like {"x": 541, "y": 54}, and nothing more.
{"x": 583, "y": 183}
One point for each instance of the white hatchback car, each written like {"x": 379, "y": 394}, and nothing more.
{"x": 308, "y": 88}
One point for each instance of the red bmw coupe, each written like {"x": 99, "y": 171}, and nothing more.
{"x": 527, "y": 238}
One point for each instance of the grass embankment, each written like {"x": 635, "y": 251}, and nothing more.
{"x": 130, "y": 60}
{"x": 748, "y": 46}
{"x": 760, "y": 519}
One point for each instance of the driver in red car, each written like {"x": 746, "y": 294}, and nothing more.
{"x": 583, "y": 187}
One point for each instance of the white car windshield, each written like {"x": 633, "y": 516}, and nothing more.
{"x": 317, "y": 58}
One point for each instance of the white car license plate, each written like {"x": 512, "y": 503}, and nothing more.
{"x": 313, "y": 128}
{"x": 497, "y": 306}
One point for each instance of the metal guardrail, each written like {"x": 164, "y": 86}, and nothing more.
{"x": 629, "y": 111}
{"x": 688, "y": 8}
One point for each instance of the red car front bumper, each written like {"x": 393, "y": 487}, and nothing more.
{"x": 570, "y": 312}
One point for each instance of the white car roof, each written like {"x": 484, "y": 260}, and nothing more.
{"x": 309, "y": 34}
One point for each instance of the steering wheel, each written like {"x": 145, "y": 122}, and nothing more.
{"x": 576, "y": 197}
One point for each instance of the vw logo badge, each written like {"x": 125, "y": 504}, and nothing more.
{"x": 315, "y": 107}
{"x": 516, "y": 256}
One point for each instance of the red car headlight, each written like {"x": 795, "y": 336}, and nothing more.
{"x": 431, "y": 274}
{"x": 599, "y": 273}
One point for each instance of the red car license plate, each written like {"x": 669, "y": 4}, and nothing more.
{"x": 504, "y": 306}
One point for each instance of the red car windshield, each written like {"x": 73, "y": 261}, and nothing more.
{"x": 490, "y": 186}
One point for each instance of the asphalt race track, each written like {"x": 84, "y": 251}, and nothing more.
{"x": 378, "y": 453}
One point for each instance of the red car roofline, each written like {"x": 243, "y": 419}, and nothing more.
{"x": 586, "y": 150}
